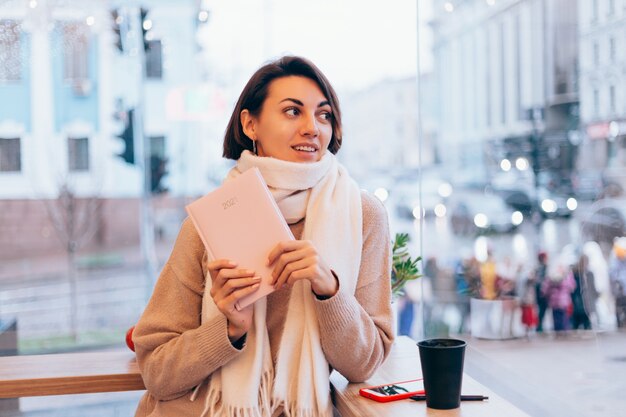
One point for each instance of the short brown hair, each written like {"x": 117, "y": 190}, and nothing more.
{"x": 255, "y": 92}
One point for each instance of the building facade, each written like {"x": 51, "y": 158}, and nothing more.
{"x": 501, "y": 95}
{"x": 67, "y": 85}
{"x": 602, "y": 32}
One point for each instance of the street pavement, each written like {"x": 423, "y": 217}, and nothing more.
{"x": 578, "y": 375}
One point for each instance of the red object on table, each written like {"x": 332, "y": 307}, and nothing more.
{"x": 129, "y": 338}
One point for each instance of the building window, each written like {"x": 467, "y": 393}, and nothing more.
{"x": 594, "y": 11}
{"x": 154, "y": 60}
{"x": 612, "y": 49}
{"x": 596, "y": 54}
{"x": 10, "y": 51}
{"x": 75, "y": 52}
{"x": 612, "y": 99}
{"x": 611, "y": 8}
{"x": 488, "y": 75}
{"x": 78, "y": 154}
{"x": 503, "y": 77}
{"x": 518, "y": 68}
{"x": 10, "y": 155}
{"x": 596, "y": 102}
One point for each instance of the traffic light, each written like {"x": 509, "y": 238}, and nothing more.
{"x": 128, "y": 137}
{"x": 158, "y": 169}
{"x": 118, "y": 20}
{"x": 146, "y": 25}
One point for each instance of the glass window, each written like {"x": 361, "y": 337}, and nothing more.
{"x": 154, "y": 60}
{"x": 10, "y": 155}
{"x": 75, "y": 51}
{"x": 78, "y": 154}
{"x": 10, "y": 51}
{"x": 612, "y": 102}
{"x": 612, "y": 49}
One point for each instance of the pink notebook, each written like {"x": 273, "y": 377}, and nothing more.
{"x": 241, "y": 221}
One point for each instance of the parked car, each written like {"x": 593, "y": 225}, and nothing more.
{"x": 517, "y": 199}
{"x": 414, "y": 207}
{"x": 554, "y": 204}
{"x": 605, "y": 220}
{"x": 550, "y": 203}
{"x": 555, "y": 181}
{"x": 587, "y": 184}
{"x": 477, "y": 212}
{"x": 431, "y": 202}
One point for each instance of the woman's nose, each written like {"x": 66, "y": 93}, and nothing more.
{"x": 310, "y": 127}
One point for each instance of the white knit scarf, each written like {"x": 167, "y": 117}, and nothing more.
{"x": 249, "y": 386}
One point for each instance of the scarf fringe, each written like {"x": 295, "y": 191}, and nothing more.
{"x": 213, "y": 406}
{"x": 292, "y": 410}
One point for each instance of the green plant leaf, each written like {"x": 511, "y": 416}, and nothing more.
{"x": 404, "y": 268}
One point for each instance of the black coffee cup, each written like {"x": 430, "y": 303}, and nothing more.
{"x": 442, "y": 369}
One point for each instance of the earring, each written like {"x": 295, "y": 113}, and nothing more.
{"x": 254, "y": 147}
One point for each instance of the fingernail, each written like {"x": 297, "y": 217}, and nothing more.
{"x": 256, "y": 278}
{"x": 231, "y": 263}
{"x": 249, "y": 271}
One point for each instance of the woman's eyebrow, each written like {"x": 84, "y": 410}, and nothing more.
{"x": 294, "y": 100}
{"x": 300, "y": 103}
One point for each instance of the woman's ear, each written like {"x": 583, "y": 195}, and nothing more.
{"x": 248, "y": 124}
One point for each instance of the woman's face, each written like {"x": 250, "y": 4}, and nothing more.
{"x": 294, "y": 123}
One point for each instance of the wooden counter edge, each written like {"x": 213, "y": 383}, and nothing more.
{"x": 125, "y": 377}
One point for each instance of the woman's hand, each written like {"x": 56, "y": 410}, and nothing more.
{"x": 298, "y": 259}
{"x": 229, "y": 285}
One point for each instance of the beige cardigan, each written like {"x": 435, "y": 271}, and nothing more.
{"x": 175, "y": 352}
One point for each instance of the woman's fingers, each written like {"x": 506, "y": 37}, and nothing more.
{"x": 291, "y": 270}
{"x": 285, "y": 259}
{"x": 285, "y": 246}
{"x": 229, "y": 280}
{"x": 224, "y": 275}
{"x": 218, "y": 264}
{"x": 227, "y": 304}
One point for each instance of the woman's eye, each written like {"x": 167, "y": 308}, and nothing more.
{"x": 327, "y": 115}
{"x": 292, "y": 111}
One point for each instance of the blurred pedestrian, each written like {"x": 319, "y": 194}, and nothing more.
{"x": 558, "y": 289}
{"x": 539, "y": 277}
{"x": 598, "y": 265}
{"x": 467, "y": 283}
{"x": 528, "y": 301}
{"x": 617, "y": 275}
{"x": 488, "y": 277}
{"x": 508, "y": 275}
{"x": 584, "y": 295}
{"x": 417, "y": 309}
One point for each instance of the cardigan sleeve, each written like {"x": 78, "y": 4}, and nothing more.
{"x": 174, "y": 351}
{"x": 363, "y": 321}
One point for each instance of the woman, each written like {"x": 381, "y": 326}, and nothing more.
{"x": 331, "y": 309}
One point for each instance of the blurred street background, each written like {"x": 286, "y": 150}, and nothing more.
{"x": 493, "y": 131}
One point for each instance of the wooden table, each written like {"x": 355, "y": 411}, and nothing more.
{"x": 403, "y": 364}
{"x": 69, "y": 373}
{"x": 110, "y": 371}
